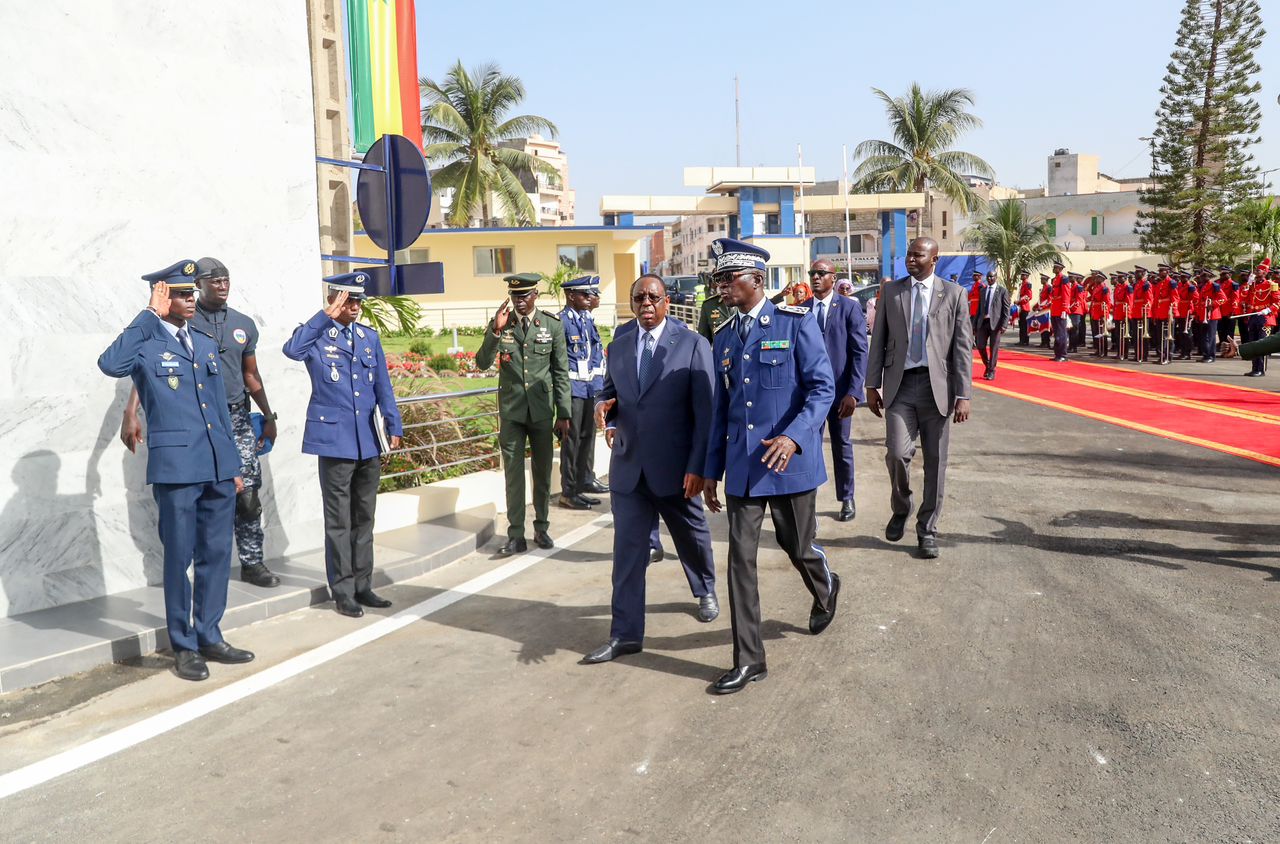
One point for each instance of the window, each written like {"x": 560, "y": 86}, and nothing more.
{"x": 582, "y": 257}
{"x": 944, "y": 219}
{"x": 413, "y": 255}
{"x": 825, "y": 245}
{"x": 494, "y": 260}
{"x": 1052, "y": 225}
{"x": 1098, "y": 225}
{"x": 773, "y": 223}
{"x": 855, "y": 243}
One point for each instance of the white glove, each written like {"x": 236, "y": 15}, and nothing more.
{"x": 1265, "y": 311}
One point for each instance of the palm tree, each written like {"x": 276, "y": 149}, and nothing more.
{"x": 925, "y": 125}
{"x": 1012, "y": 241}
{"x": 463, "y": 124}
{"x": 390, "y": 315}
{"x": 1262, "y": 222}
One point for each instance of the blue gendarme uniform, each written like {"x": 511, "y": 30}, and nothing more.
{"x": 191, "y": 464}
{"x": 348, "y": 378}
{"x": 585, "y": 352}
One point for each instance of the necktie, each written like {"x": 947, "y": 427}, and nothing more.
{"x": 744, "y": 327}
{"x": 822, "y": 315}
{"x": 346, "y": 335}
{"x": 991, "y": 300}
{"x": 185, "y": 341}
{"x": 915, "y": 352}
{"x": 524, "y": 324}
{"x": 646, "y": 361}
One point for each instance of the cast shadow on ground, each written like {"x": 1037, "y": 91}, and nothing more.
{"x": 543, "y": 629}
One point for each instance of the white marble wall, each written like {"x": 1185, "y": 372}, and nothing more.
{"x": 134, "y": 133}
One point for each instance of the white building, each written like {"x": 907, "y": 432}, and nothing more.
{"x": 1084, "y": 208}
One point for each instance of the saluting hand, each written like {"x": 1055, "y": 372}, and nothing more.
{"x": 337, "y": 306}
{"x": 501, "y": 317}
{"x": 160, "y": 298}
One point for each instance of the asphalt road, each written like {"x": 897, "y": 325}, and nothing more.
{"x": 1092, "y": 658}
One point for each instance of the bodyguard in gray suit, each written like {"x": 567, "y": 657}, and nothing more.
{"x": 921, "y": 356}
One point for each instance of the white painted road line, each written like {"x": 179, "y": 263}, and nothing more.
{"x": 41, "y": 772}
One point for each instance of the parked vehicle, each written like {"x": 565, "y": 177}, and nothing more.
{"x": 683, "y": 289}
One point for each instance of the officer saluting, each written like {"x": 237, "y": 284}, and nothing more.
{"x": 192, "y": 465}
{"x": 349, "y": 381}
{"x": 533, "y": 399}
{"x": 773, "y": 390}
{"x": 586, "y": 380}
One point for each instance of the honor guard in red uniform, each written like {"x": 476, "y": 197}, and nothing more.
{"x": 1061, "y": 294}
{"x": 1044, "y": 303}
{"x": 1264, "y": 300}
{"x": 1079, "y": 305}
{"x": 1099, "y": 312}
{"x": 1230, "y": 290}
{"x": 1024, "y": 308}
{"x": 976, "y": 289}
{"x": 1162, "y": 292}
{"x": 1120, "y": 314}
{"x": 1183, "y": 306}
{"x": 1139, "y": 310}
{"x": 1209, "y": 310}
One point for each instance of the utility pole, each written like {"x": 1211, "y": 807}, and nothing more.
{"x": 1152, "y": 141}
{"x": 737, "y": 124}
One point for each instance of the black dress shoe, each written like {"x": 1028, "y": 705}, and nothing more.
{"x": 596, "y": 487}
{"x": 656, "y": 555}
{"x": 928, "y": 547}
{"x": 614, "y": 648}
{"x": 588, "y": 500}
{"x": 368, "y": 598}
{"x": 189, "y": 665}
{"x": 847, "y": 511}
{"x": 222, "y": 652}
{"x": 259, "y": 575}
{"x": 513, "y": 546}
{"x": 543, "y": 540}
{"x": 820, "y": 619}
{"x": 708, "y": 608}
{"x": 571, "y": 502}
{"x": 348, "y": 607}
{"x": 896, "y": 527}
{"x": 737, "y": 679}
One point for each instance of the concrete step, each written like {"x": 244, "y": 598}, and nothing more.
{"x": 47, "y": 644}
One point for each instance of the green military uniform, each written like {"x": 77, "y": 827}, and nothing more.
{"x": 713, "y": 314}
{"x": 533, "y": 392}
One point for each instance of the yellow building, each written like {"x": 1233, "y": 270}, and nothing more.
{"x": 475, "y": 260}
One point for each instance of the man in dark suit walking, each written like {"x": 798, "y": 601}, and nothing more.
{"x": 993, "y": 318}
{"x": 921, "y": 355}
{"x": 844, "y": 328}
{"x": 657, "y": 401}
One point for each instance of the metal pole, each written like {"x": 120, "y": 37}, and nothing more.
{"x": 737, "y": 125}
{"x": 848, "y": 241}
{"x": 388, "y": 150}
{"x": 804, "y": 241}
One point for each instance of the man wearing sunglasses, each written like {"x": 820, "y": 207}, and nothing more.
{"x": 534, "y": 402}
{"x": 773, "y": 389}
{"x": 844, "y": 330}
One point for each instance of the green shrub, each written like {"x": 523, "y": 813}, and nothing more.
{"x": 426, "y": 331}
{"x": 421, "y": 347}
{"x": 442, "y": 361}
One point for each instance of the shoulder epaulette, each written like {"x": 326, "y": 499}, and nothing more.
{"x": 368, "y": 328}
{"x": 200, "y": 331}
{"x": 715, "y": 296}
{"x": 718, "y": 328}
{"x": 792, "y": 309}
{"x": 556, "y": 317}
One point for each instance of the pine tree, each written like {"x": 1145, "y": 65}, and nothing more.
{"x": 1206, "y": 122}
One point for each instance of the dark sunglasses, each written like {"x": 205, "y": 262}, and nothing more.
{"x": 648, "y": 297}
{"x": 819, "y": 273}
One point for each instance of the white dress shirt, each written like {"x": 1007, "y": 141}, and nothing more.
{"x": 655, "y": 333}
{"x": 826, "y": 307}
{"x": 929, "y": 284}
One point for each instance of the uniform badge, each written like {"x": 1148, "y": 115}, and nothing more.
{"x": 775, "y": 344}
{"x": 167, "y": 356}
{"x": 333, "y": 373}
{"x": 368, "y": 351}
{"x": 333, "y": 333}
{"x": 189, "y": 269}
{"x": 173, "y": 382}
{"x": 331, "y": 348}
{"x": 506, "y": 357}
{"x": 764, "y": 320}
{"x": 359, "y": 332}
{"x": 241, "y": 336}
{"x": 210, "y": 355}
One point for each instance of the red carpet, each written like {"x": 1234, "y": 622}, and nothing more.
{"x": 1235, "y": 420}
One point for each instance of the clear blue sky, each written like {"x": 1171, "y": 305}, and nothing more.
{"x": 641, "y": 90}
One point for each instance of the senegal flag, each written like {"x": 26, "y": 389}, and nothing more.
{"x": 383, "y": 51}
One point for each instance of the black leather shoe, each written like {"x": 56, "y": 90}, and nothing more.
{"x": 189, "y": 665}
{"x": 737, "y": 679}
{"x": 928, "y": 547}
{"x": 820, "y": 619}
{"x": 513, "y": 546}
{"x": 259, "y": 575}
{"x": 614, "y": 648}
{"x": 708, "y": 608}
{"x": 367, "y": 598}
{"x": 222, "y": 652}
{"x": 596, "y": 487}
{"x": 588, "y": 500}
{"x": 572, "y": 502}
{"x": 348, "y": 607}
{"x": 656, "y": 555}
{"x": 896, "y": 527}
{"x": 847, "y": 511}
{"x": 543, "y": 540}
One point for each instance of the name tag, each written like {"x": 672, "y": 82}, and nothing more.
{"x": 775, "y": 344}
{"x": 169, "y": 363}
